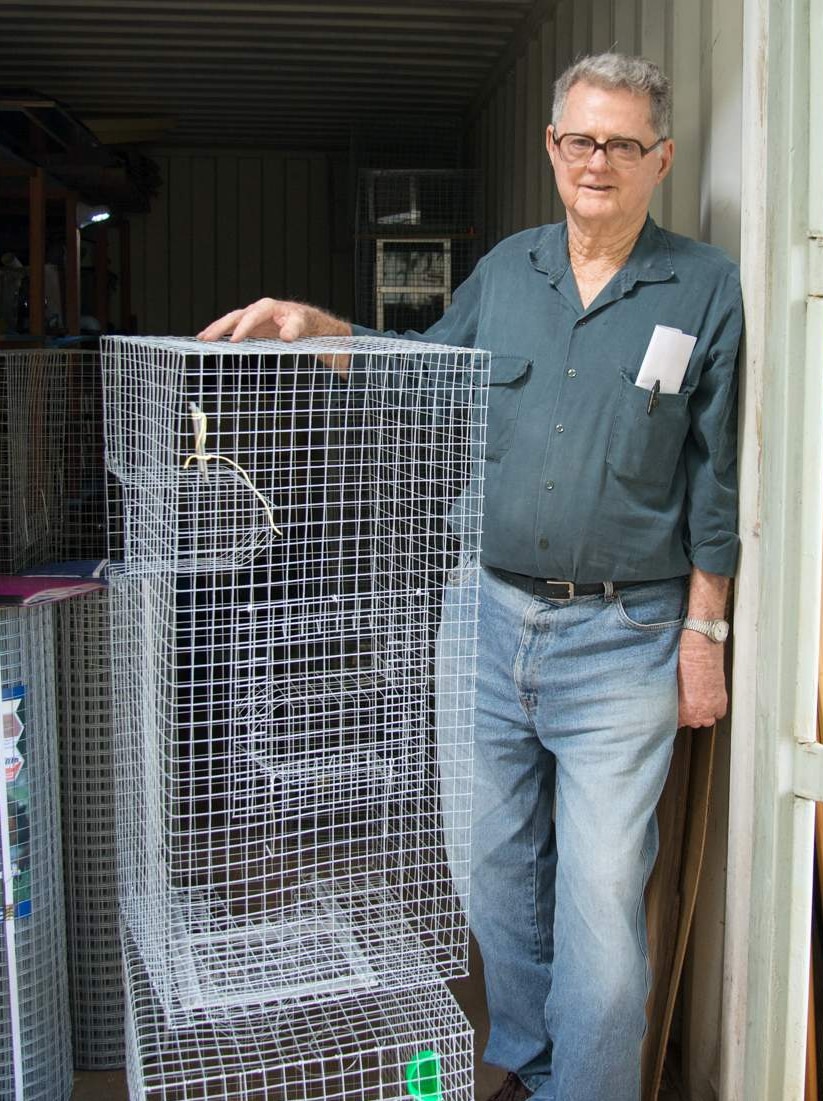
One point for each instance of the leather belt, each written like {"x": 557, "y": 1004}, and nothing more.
{"x": 557, "y": 590}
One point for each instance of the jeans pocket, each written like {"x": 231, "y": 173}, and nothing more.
{"x": 656, "y": 607}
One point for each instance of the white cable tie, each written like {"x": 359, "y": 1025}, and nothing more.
{"x": 201, "y": 457}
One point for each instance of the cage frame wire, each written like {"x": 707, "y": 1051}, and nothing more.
{"x": 406, "y": 926}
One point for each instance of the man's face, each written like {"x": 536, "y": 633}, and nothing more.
{"x": 595, "y": 192}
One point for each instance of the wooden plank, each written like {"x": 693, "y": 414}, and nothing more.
{"x": 249, "y": 221}
{"x": 203, "y": 244}
{"x": 672, "y": 892}
{"x": 157, "y": 257}
{"x": 72, "y": 273}
{"x": 226, "y": 235}
{"x": 297, "y": 227}
{"x": 180, "y": 250}
{"x": 37, "y": 253}
{"x": 319, "y": 236}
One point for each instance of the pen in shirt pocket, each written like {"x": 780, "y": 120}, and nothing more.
{"x": 653, "y": 397}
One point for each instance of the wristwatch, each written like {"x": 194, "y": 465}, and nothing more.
{"x": 715, "y": 629}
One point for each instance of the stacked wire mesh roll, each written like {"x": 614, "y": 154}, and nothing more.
{"x": 87, "y": 783}
{"x": 35, "y": 1044}
{"x": 86, "y": 767}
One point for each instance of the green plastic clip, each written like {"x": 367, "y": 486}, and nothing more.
{"x": 423, "y": 1076}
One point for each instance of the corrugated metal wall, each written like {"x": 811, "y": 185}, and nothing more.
{"x": 693, "y": 40}
{"x": 228, "y": 227}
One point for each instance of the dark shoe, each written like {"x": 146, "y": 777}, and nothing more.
{"x": 511, "y": 1090}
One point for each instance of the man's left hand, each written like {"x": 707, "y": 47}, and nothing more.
{"x": 701, "y": 681}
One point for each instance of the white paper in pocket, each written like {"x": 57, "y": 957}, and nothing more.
{"x": 666, "y": 359}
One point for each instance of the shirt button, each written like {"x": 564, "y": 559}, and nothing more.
{"x": 571, "y": 372}
{"x": 558, "y": 428}
{"x": 549, "y": 485}
{"x": 544, "y": 543}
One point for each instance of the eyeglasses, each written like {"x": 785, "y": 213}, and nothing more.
{"x": 620, "y": 152}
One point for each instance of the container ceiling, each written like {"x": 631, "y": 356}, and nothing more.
{"x": 266, "y": 73}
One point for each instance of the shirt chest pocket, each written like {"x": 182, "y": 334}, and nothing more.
{"x": 507, "y": 381}
{"x": 645, "y": 446}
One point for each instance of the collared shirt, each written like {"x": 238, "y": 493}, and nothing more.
{"x": 581, "y": 482}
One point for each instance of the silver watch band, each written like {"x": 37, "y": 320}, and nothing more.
{"x": 715, "y": 629}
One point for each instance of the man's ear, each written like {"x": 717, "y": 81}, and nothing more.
{"x": 549, "y": 142}
{"x": 666, "y": 159}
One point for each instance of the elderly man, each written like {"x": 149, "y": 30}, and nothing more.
{"x": 608, "y": 543}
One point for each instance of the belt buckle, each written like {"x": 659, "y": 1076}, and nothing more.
{"x": 569, "y": 590}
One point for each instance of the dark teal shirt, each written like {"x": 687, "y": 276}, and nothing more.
{"x": 581, "y": 483}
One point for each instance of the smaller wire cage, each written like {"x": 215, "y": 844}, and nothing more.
{"x": 403, "y": 1046}
{"x": 273, "y": 636}
{"x": 35, "y": 1041}
{"x": 417, "y": 237}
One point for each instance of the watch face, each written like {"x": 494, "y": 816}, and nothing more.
{"x": 720, "y": 631}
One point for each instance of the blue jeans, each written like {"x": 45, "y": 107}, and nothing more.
{"x": 575, "y": 717}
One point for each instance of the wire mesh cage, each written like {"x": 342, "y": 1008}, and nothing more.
{"x": 32, "y": 428}
{"x": 84, "y": 519}
{"x": 35, "y": 1049}
{"x": 416, "y": 239}
{"x": 95, "y": 970}
{"x": 52, "y": 483}
{"x": 284, "y": 544}
{"x": 368, "y": 1047}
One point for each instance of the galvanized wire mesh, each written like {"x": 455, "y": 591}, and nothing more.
{"x": 32, "y": 447}
{"x": 35, "y": 1050}
{"x": 273, "y": 616}
{"x": 53, "y": 508}
{"x": 87, "y": 787}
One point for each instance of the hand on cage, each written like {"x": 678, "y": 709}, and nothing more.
{"x": 271, "y": 319}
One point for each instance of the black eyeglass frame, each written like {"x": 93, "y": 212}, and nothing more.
{"x": 644, "y": 150}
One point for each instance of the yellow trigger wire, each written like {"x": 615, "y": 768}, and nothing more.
{"x": 200, "y": 423}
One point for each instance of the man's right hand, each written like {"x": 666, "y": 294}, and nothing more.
{"x": 270, "y": 319}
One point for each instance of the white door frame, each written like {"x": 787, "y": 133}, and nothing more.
{"x": 777, "y": 767}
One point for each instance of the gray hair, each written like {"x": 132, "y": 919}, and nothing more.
{"x": 613, "y": 71}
